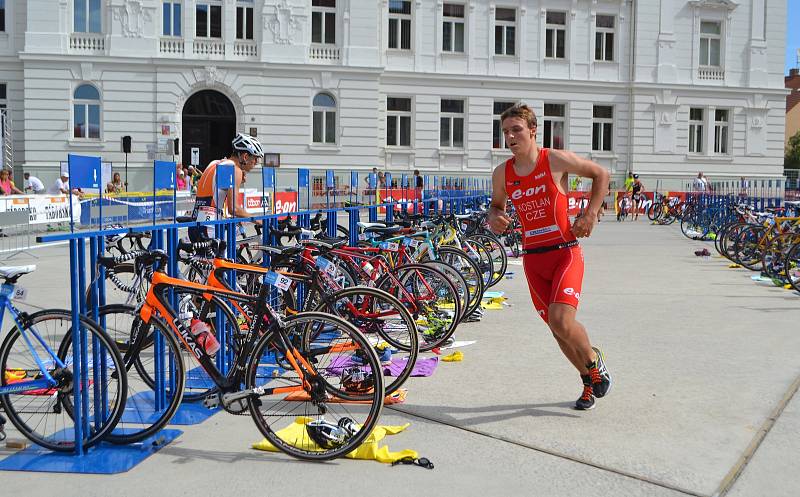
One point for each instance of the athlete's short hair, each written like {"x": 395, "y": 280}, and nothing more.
{"x": 522, "y": 111}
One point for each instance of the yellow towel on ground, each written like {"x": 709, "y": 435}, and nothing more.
{"x": 368, "y": 449}
{"x": 456, "y": 356}
{"x": 493, "y": 304}
{"x": 734, "y": 266}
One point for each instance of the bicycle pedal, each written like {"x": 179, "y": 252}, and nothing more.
{"x": 211, "y": 402}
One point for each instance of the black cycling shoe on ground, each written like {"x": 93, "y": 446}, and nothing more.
{"x": 586, "y": 400}
{"x": 600, "y": 377}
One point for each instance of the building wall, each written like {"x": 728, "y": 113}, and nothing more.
{"x": 792, "y": 123}
{"x": 145, "y": 78}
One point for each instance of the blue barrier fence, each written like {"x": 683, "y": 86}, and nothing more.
{"x": 166, "y": 236}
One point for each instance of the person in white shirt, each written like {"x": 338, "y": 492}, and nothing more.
{"x": 61, "y": 187}
{"x": 699, "y": 184}
{"x": 33, "y": 184}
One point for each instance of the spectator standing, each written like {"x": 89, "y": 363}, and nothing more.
{"x": 115, "y": 185}
{"x": 182, "y": 184}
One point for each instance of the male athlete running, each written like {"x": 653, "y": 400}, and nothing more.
{"x": 536, "y": 179}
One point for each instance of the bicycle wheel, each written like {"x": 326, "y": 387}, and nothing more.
{"x": 144, "y": 413}
{"x": 471, "y": 271}
{"x": 481, "y": 256}
{"x": 337, "y": 389}
{"x": 45, "y": 415}
{"x": 749, "y": 245}
{"x": 385, "y": 322}
{"x": 498, "y": 254}
{"x": 793, "y": 267}
{"x": 430, "y": 296}
{"x": 458, "y": 280}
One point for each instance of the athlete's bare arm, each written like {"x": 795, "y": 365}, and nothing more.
{"x": 563, "y": 162}
{"x": 498, "y": 219}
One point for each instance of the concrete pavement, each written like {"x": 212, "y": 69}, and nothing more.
{"x": 705, "y": 371}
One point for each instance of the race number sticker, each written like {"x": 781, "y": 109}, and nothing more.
{"x": 366, "y": 236}
{"x": 390, "y": 246}
{"x": 20, "y": 294}
{"x": 207, "y": 213}
{"x": 464, "y": 226}
{"x": 277, "y": 280}
{"x": 327, "y": 266}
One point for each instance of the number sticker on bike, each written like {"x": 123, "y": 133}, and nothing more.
{"x": 20, "y": 294}
{"x": 277, "y": 280}
{"x": 390, "y": 246}
{"x": 327, "y": 266}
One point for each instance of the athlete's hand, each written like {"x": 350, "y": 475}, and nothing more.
{"x": 498, "y": 221}
{"x": 583, "y": 226}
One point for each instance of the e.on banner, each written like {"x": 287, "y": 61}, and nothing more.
{"x": 284, "y": 202}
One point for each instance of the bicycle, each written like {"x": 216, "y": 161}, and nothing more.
{"x": 36, "y": 389}
{"x": 273, "y": 377}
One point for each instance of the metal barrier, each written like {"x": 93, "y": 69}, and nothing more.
{"x": 166, "y": 236}
{"x": 15, "y": 233}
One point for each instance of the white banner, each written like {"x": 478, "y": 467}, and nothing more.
{"x": 43, "y": 208}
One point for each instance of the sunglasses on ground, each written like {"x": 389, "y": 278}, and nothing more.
{"x": 422, "y": 462}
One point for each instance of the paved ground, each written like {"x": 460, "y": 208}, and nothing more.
{"x": 705, "y": 367}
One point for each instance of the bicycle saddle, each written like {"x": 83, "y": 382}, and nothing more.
{"x": 362, "y": 224}
{"x": 291, "y": 250}
{"x": 10, "y": 272}
{"x": 324, "y": 243}
{"x": 383, "y": 230}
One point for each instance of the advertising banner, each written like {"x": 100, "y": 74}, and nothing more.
{"x": 42, "y": 208}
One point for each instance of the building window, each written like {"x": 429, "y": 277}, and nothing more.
{"x": 553, "y": 136}
{"x": 244, "y": 20}
{"x": 452, "y": 28}
{"x": 2, "y": 15}
{"x": 604, "y": 38}
{"x": 602, "y": 128}
{"x": 710, "y": 43}
{"x": 721, "y": 133}
{"x": 208, "y": 20}
{"x": 324, "y": 115}
{"x": 400, "y": 25}
{"x": 323, "y": 21}
{"x": 87, "y": 16}
{"x": 3, "y": 95}
{"x": 398, "y": 122}
{"x": 86, "y": 112}
{"x": 451, "y": 124}
{"x": 172, "y": 18}
{"x": 498, "y": 140}
{"x": 555, "y": 36}
{"x": 695, "y": 131}
{"x": 505, "y": 31}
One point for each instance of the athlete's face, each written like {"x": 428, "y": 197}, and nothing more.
{"x": 517, "y": 134}
{"x": 248, "y": 162}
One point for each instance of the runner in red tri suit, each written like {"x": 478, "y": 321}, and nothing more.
{"x": 536, "y": 181}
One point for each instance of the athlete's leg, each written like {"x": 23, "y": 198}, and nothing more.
{"x": 571, "y": 336}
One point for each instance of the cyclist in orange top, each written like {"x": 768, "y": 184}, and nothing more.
{"x": 536, "y": 181}
{"x": 247, "y": 152}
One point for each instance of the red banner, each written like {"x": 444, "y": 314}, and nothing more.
{"x": 398, "y": 195}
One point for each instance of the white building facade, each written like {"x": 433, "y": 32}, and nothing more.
{"x": 665, "y": 88}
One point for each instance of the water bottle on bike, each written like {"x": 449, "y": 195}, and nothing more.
{"x": 204, "y": 337}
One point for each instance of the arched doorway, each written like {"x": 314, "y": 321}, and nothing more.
{"x": 209, "y": 123}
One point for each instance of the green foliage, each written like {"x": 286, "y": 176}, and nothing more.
{"x": 791, "y": 158}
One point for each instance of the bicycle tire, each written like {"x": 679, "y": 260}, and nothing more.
{"x": 470, "y": 270}
{"x": 326, "y": 397}
{"x": 141, "y": 420}
{"x": 59, "y": 401}
{"x": 401, "y": 335}
{"x": 499, "y": 256}
{"x": 432, "y": 293}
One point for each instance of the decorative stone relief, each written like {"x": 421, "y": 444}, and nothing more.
{"x": 665, "y": 113}
{"x": 283, "y": 24}
{"x": 211, "y": 75}
{"x": 132, "y": 16}
{"x": 756, "y": 132}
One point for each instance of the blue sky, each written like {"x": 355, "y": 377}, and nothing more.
{"x": 792, "y": 34}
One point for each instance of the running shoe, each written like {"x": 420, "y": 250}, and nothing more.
{"x": 600, "y": 377}
{"x": 586, "y": 400}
